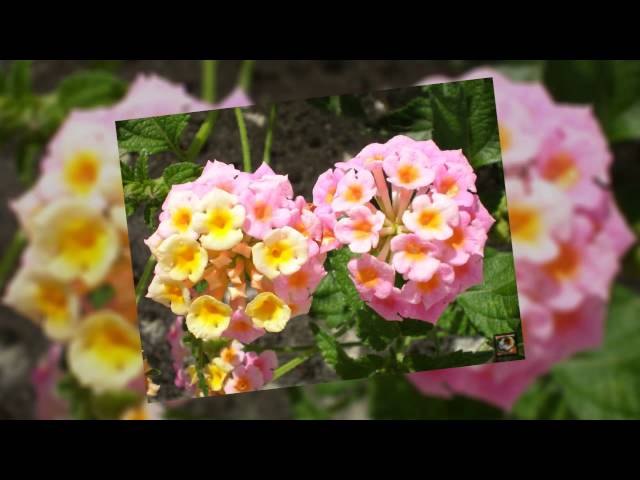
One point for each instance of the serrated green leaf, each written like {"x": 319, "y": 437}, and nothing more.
{"x": 151, "y": 215}
{"x": 415, "y": 116}
{"x": 90, "y": 89}
{"x": 156, "y": 134}
{"x": 416, "y": 328}
{"x": 127, "y": 173}
{"x": 456, "y": 322}
{"x": 336, "y": 357}
{"x": 142, "y": 167}
{"x": 181, "y": 172}
{"x": 492, "y": 307}
{"x": 374, "y": 330}
{"x": 464, "y": 116}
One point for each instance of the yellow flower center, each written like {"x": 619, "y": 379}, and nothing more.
{"x": 220, "y": 222}
{"x": 182, "y": 219}
{"x": 330, "y": 193}
{"x": 362, "y": 228}
{"x": 367, "y": 276}
{"x": 81, "y": 241}
{"x": 457, "y": 239}
{"x": 524, "y": 223}
{"x": 173, "y": 293}
{"x": 429, "y": 285}
{"x": 81, "y": 171}
{"x": 242, "y": 384}
{"x": 51, "y": 299}
{"x": 262, "y": 210}
{"x": 408, "y": 173}
{"x": 353, "y": 193}
{"x": 278, "y": 253}
{"x": 213, "y": 314}
{"x": 505, "y": 138}
{"x": 187, "y": 257}
{"x": 565, "y": 265}
{"x": 448, "y": 186}
{"x": 561, "y": 169}
{"x": 112, "y": 344}
{"x": 430, "y": 219}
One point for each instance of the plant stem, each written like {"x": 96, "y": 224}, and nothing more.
{"x": 12, "y": 253}
{"x": 246, "y": 71}
{"x": 144, "y": 279}
{"x": 246, "y": 154}
{"x": 291, "y": 364}
{"x": 209, "y": 78}
{"x": 266, "y": 156}
{"x": 202, "y": 135}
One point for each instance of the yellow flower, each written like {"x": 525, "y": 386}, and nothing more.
{"x": 182, "y": 257}
{"x": 171, "y": 293}
{"x": 43, "y": 298}
{"x": 106, "y": 353}
{"x": 268, "y": 311}
{"x": 215, "y": 377}
{"x": 208, "y": 317}
{"x": 221, "y": 222}
{"x": 73, "y": 240}
{"x": 284, "y": 250}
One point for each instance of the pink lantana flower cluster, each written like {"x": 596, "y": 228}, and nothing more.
{"x": 75, "y": 223}
{"x": 238, "y": 256}
{"x": 408, "y": 209}
{"x": 567, "y": 232}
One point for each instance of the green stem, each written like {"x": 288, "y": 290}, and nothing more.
{"x": 12, "y": 253}
{"x": 209, "y": 77}
{"x": 266, "y": 156}
{"x": 246, "y": 71}
{"x": 291, "y": 364}
{"x": 202, "y": 135}
{"x": 246, "y": 154}
{"x": 141, "y": 287}
{"x": 209, "y": 68}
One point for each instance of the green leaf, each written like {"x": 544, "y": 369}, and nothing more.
{"x": 18, "y": 82}
{"x": 127, "y": 173}
{"x": 415, "y": 116}
{"x": 151, "y": 215}
{"x": 338, "y": 260}
{"x": 111, "y": 405}
{"x": 201, "y": 286}
{"x": 543, "y": 401}
{"x": 142, "y": 167}
{"x": 336, "y": 357}
{"x": 417, "y": 362}
{"x": 464, "y": 116}
{"x": 492, "y": 307}
{"x": 415, "y": 328}
{"x": 156, "y": 134}
{"x": 100, "y": 296}
{"x": 90, "y": 89}
{"x": 374, "y": 330}
{"x": 605, "y": 384}
{"x": 455, "y": 321}
{"x": 181, "y": 172}
{"x": 612, "y": 87}
{"x": 395, "y": 398}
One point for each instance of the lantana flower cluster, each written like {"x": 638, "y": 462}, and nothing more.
{"x": 238, "y": 256}
{"x": 567, "y": 232}
{"x": 410, "y": 210}
{"x": 75, "y": 224}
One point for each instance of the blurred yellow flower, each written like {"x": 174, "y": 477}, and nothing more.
{"x": 106, "y": 353}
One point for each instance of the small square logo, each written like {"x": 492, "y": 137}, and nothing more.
{"x": 505, "y": 344}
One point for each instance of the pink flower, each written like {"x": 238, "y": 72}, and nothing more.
{"x": 414, "y": 258}
{"x": 455, "y": 181}
{"x": 390, "y": 307}
{"x": 431, "y": 291}
{"x": 244, "y": 379}
{"x": 241, "y": 328}
{"x": 468, "y": 238}
{"x": 265, "y": 211}
{"x": 360, "y": 230}
{"x": 325, "y": 189}
{"x": 432, "y": 218}
{"x": 267, "y": 362}
{"x": 355, "y": 189}
{"x": 371, "y": 276}
{"x": 409, "y": 168}
{"x": 300, "y": 285}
